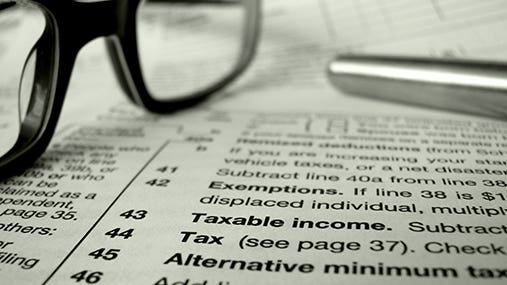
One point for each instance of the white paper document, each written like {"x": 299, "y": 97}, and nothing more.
{"x": 277, "y": 180}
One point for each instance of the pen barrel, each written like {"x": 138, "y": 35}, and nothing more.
{"x": 475, "y": 87}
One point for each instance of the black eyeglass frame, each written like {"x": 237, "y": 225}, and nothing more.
{"x": 71, "y": 24}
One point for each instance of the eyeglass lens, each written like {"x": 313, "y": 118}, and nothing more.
{"x": 187, "y": 46}
{"x": 21, "y": 25}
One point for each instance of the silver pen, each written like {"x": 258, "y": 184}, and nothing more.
{"x": 468, "y": 86}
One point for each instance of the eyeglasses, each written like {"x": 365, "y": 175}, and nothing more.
{"x": 146, "y": 41}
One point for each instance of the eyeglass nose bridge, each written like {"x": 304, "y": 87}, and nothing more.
{"x": 90, "y": 20}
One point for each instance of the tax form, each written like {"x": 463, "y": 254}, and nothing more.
{"x": 278, "y": 179}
